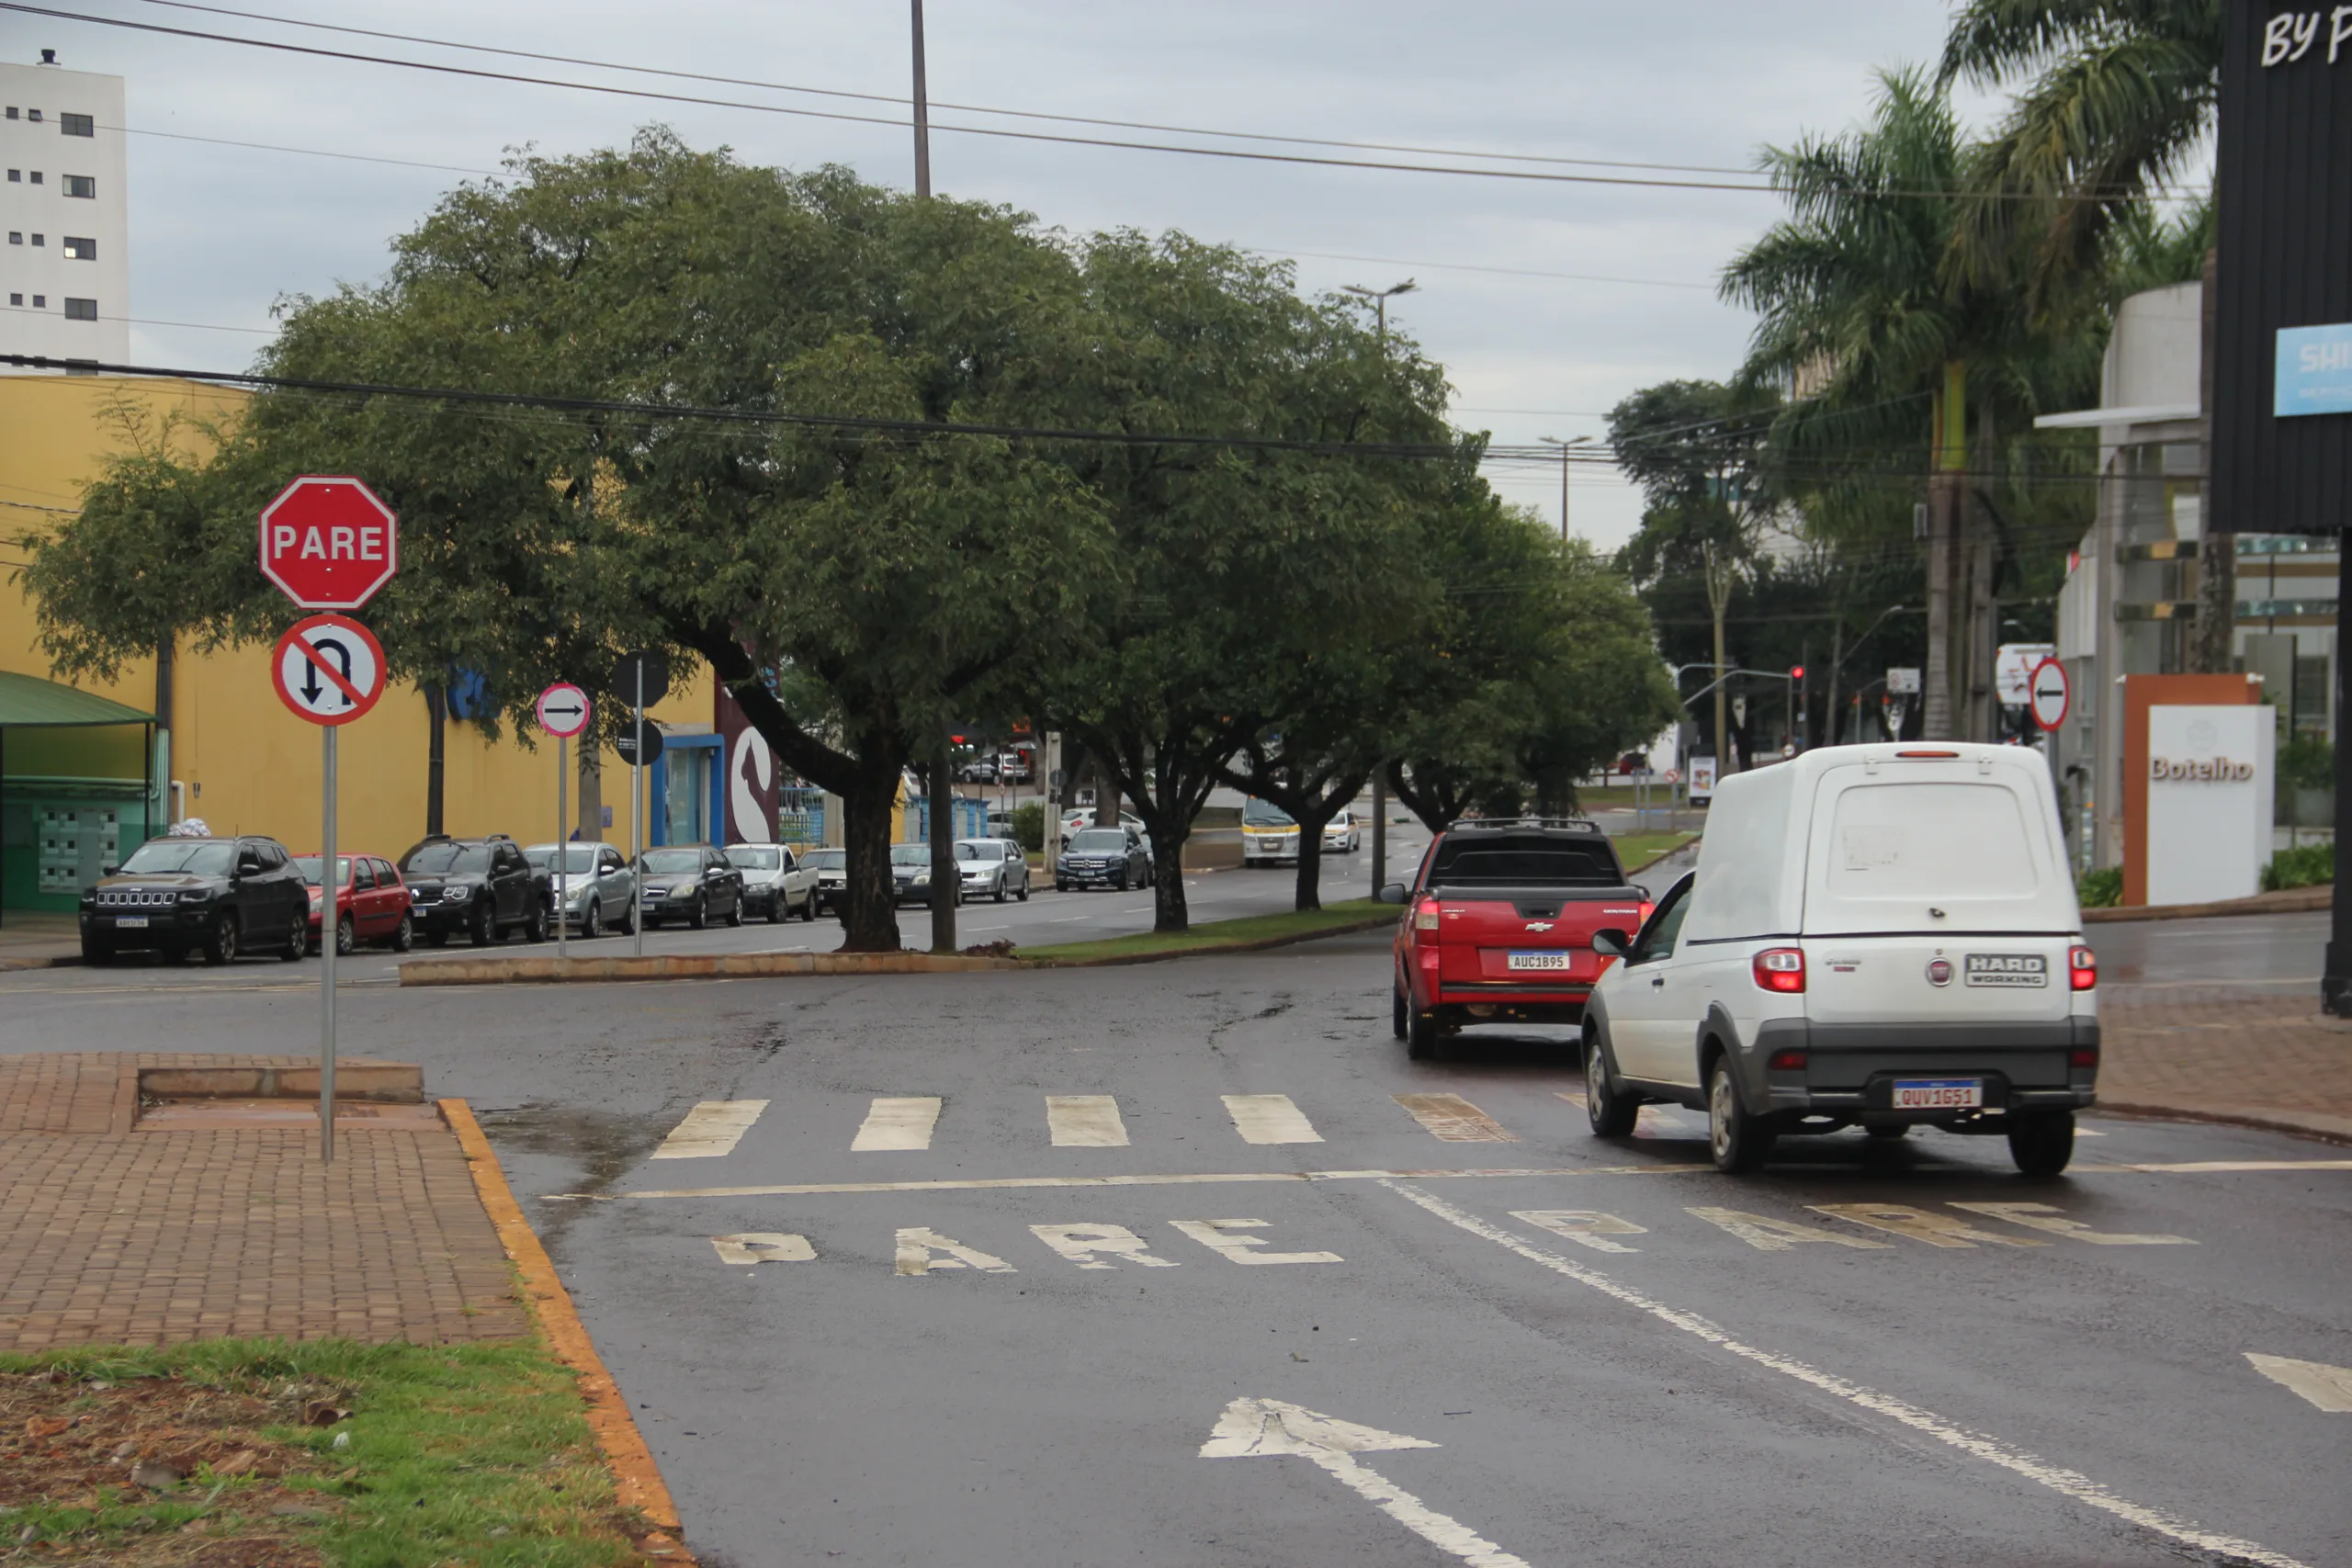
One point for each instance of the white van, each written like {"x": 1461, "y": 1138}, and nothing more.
{"x": 1879, "y": 936}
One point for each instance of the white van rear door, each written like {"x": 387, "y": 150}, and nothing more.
{"x": 1936, "y": 892}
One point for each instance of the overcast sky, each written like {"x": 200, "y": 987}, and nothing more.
{"x": 218, "y": 232}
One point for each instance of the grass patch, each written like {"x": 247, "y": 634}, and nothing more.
{"x": 1291, "y": 924}
{"x": 223, "y": 1454}
{"x": 1640, "y": 850}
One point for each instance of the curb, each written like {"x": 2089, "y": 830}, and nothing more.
{"x": 637, "y": 1480}
{"x": 2287, "y": 901}
{"x": 685, "y": 967}
{"x": 2301, "y": 1124}
{"x": 1045, "y": 961}
{"x": 62, "y": 961}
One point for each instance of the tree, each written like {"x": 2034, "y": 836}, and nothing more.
{"x": 1239, "y": 564}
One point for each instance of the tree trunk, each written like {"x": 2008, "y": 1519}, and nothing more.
{"x": 2214, "y": 632}
{"x": 591, "y": 790}
{"x": 870, "y": 903}
{"x": 1983, "y": 610}
{"x": 1940, "y": 701}
{"x": 436, "y": 723}
{"x": 1169, "y": 910}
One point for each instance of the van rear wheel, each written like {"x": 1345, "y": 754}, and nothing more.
{"x": 2043, "y": 1143}
{"x": 1735, "y": 1136}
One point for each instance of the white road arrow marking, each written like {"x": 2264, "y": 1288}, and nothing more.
{"x": 1251, "y": 1428}
{"x": 2328, "y": 1387}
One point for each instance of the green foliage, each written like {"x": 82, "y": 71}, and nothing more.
{"x": 474, "y": 1454}
{"x": 2307, "y": 865}
{"x": 2100, "y": 889}
{"x": 2307, "y": 761}
{"x": 1029, "y": 826}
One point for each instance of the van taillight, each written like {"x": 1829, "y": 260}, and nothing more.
{"x": 1787, "y": 1061}
{"x": 2083, "y": 1057}
{"x": 1425, "y": 915}
{"x": 2082, "y": 968}
{"x": 1781, "y": 969}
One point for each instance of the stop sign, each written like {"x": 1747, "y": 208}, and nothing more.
{"x": 328, "y": 543}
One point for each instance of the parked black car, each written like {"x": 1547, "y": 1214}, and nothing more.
{"x": 220, "y": 896}
{"x": 689, "y": 883}
{"x": 484, "y": 888}
{"x": 1102, "y": 857}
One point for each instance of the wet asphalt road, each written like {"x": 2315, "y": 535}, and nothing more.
{"x": 1620, "y": 1357}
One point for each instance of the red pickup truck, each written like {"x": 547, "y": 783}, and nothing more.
{"x": 1498, "y": 925}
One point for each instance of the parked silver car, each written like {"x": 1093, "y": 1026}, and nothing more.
{"x": 992, "y": 868}
{"x": 776, "y": 883}
{"x": 601, "y": 889}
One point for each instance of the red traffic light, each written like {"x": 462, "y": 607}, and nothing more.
{"x": 1797, "y": 674}
{"x": 956, "y": 738}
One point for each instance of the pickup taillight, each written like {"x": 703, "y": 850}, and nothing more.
{"x": 2082, "y": 968}
{"x": 1425, "y": 915}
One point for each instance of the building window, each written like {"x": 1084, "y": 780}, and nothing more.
{"x": 33, "y": 114}
{"x": 81, "y": 309}
{"x": 16, "y": 177}
{"x": 81, "y": 250}
{"x": 41, "y": 301}
{"x": 12, "y": 111}
{"x": 76, "y": 125}
{"x": 40, "y": 239}
{"x": 15, "y": 236}
{"x": 15, "y": 300}
{"x": 35, "y": 177}
{"x": 77, "y": 185}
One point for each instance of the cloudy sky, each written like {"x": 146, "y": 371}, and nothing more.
{"x": 1546, "y": 300}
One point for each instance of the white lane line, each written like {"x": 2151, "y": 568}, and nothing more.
{"x": 1453, "y": 1119}
{"x": 2190, "y": 1168}
{"x": 2329, "y": 1388}
{"x": 2068, "y": 1482}
{"x": 982, "y": 1184}
{"x": 1270, "y": 1119}
{"x": 904, "y": 1123}
{"x": 1085, "y": 1121}
{"x": 712, "y": 1128}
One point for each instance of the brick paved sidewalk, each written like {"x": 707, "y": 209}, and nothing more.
{"x": 2231, "y": 1054}
{"x": 117, "y": 1229}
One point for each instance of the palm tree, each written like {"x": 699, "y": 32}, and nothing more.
{"x": 1870, "y": 310}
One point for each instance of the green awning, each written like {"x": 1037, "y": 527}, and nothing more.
{"x": 29, "y": 700}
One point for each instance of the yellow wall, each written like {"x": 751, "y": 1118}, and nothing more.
{"x": 250, "y": 765}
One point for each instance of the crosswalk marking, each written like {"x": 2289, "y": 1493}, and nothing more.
{"x": 1270, "y": 1119}
{"x": 902, "y": 1122}
{"x": 712, "y": 1128}
{"x": 1085, "y": 1121}
{"x": 1453, "y": 1119}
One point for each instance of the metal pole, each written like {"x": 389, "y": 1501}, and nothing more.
{"x": 1564, "y": 492}
{"x": 330, "y": 921}
{"x": 562, "y": 848}
{"x": 922, "y": 113}
{"x": 637, "y": 821}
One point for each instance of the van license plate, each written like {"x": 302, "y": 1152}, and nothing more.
{"x": 1538, "y": 960}
{"x": 130, "y": 922}
{"x": 2007, "y": 969}
{"x": 1938, "y": 1094}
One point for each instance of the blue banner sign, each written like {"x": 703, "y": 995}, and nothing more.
{"x": 2314, "y": 370}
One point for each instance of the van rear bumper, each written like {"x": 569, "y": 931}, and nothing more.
{"x": 1850, "y": 1070}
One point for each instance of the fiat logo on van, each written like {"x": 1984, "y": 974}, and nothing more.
{"x": 1940, "y": 971}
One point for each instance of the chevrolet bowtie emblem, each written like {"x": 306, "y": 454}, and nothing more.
{"x": 1539, "y": 925}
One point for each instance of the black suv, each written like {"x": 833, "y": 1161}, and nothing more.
{"x": 218, "y": 895}
{"x": 484, "y": 888}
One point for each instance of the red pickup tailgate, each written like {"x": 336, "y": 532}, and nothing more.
{"x": 1542, "y": 943}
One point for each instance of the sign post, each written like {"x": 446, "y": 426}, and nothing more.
{"x": 564, "y": 713}
{"x": 641, "y": 678}
{"x": 329, "y": 669}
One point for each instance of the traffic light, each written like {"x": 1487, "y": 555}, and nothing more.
{"x": 1797, "y": 672}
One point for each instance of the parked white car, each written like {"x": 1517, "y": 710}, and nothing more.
{"x": 1883, "y": 936}
{"x": 776, "y": 883}
{"x": 1343, "y": 835}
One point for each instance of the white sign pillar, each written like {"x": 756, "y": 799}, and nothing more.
{"x": 2211, "y": 784}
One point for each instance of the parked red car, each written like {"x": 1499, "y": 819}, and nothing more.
{"x": 372, "y": 905}
{"x": 1498, "y": 926}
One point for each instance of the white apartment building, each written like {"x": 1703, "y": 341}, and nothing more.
{"x": 65, "y": 273}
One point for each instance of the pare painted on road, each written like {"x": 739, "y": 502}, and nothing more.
{"x": 919, "y": 1251}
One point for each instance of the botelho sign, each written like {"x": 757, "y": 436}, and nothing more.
{"x": 2200, "y": 770}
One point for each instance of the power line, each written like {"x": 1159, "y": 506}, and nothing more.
{"x": 924, "y": 429}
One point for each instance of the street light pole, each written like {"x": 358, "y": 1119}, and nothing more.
{"x": 1379, "y": 297}
{"x": 922, "y": 112}
{"x": 1564, "y": 446}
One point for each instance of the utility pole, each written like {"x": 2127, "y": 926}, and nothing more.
{"x": 922, "y": 112}
{"x": 1564, "y": 446}
{"x": 1946, "y": 497}
{"x": 1379, "y": 297}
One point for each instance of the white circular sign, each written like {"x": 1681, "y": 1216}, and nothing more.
{"x": 1674, "y": 775}
{"x": 329, "y": 669}
{"x": 563, "y": 710}
{"x": 2049, "y": 693}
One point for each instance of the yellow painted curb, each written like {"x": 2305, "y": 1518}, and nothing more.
{"x": 637, "y": 1480}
